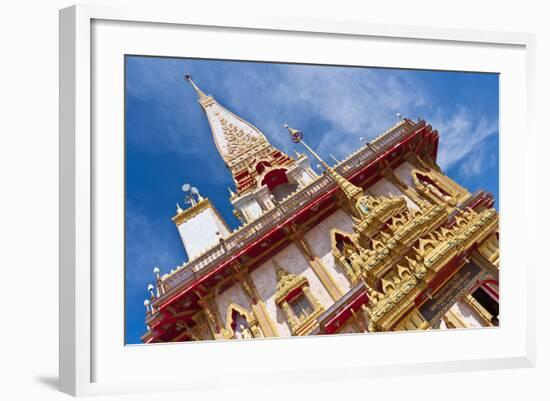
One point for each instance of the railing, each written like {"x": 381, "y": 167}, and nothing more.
{"x": 212, "y": 257}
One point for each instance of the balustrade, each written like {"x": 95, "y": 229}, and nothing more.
{"x": 212, "y": 257}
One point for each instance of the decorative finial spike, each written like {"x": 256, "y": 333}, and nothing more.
{"x": 189, "y": 79}
{"x": 295, "y": 134}
{"x": 351, "y": 192}
{"x": 179, "y": 210}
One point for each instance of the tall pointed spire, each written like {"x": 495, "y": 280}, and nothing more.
{"x": 243, "y": 147}
{"x": 200, "y": 93}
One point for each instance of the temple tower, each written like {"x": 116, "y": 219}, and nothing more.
{"x": 263, "y": 175}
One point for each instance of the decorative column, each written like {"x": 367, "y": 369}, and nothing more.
{"x": 258, "y": 305}
{"x": 462, "y": 193}
{"x": 431, "y": 167}
{"x": 481, "y": 260}
{"x": 478, "y": 309}
{"x": 293, "y": 321}
{"x": 317, "y": 265}
{"x": 454, "y": 320}
{"x": 212, "y": 317}
{"x": 408, "y": 191}
{"x": 358, "y": 323}
{"x": 489, "y": 251}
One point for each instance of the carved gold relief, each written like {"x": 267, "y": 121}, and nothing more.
{"x": 298, "y": 286}
{"x": 393, "y": 280}
{"x": 251, "y": 330}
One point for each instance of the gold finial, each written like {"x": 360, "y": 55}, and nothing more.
{"x": 231, "y": 193}
{"x": 179, "y": 210}
{"x": 294, "y": 133}
{"x": 189, "y": 79}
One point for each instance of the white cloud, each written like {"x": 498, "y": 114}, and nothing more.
{"x": 347, "y": 102}
{"x": 334, "y": 106}
{"x": 463, "y": 139}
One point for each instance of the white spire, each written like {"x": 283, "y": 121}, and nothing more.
{"x": 234, "y": 137}
{"x": 189, "y": 79}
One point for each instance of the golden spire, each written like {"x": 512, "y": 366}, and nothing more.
{"x": 351, "y": 192}
{"x": 189, "y": 79}
{"x": 240, "y": 144}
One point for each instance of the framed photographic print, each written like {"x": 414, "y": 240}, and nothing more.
{"x": 293, "y": 196}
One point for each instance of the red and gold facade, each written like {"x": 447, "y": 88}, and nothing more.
{"x": 381, "y": 241}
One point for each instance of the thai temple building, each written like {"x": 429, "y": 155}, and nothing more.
{"x": 380, "y": 241}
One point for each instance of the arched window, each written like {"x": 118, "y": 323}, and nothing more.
{"x": 426, "y": 180}
{"x": 295, "y": 298}
{"x": 240, "y": 323}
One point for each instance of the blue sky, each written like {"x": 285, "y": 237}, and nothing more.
{"x": 169, "y": 143}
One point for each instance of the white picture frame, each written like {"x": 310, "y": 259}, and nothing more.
{"x": 79, "y": 315}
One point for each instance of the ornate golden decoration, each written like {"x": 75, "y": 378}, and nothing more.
{"x": 439, "y": 191}
{"x": 375, "y": 254}
{"x": 490, "y": 250}
{"x": 478, "y": 309}
{"x": 287, "y": 283}
{"x": 183, "y": 216}
{"x": 316, "y": 264}
{"x": 376, "y": 212}
{"x": 253, "y": 328}
{"x": 238, "y": 141}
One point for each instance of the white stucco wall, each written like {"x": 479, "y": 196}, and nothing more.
{"x": 384, "y": 187}
{"x": 199, "y": 233}
{"x": 306, "y": 178}
{"x": 404, "y": 173}
{"x": 265, "y": 280}
{"x": 253, "y": 209}
{"x": 319, "y": 240}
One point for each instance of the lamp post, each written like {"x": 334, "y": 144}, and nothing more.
{"x": 297, "y": 138}
{"x": 351, "y": 192}
{"x": 150, "y": 288}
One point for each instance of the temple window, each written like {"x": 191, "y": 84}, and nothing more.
{"x": 298, "y": 303}
{"x": 240, "y": 324}
{"x": 426, "y": 180}
{"x": 301, "y": 307}
{"x": 345, "y": 252}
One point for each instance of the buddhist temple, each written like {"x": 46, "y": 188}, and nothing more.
{"x": 382, "y": 240}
